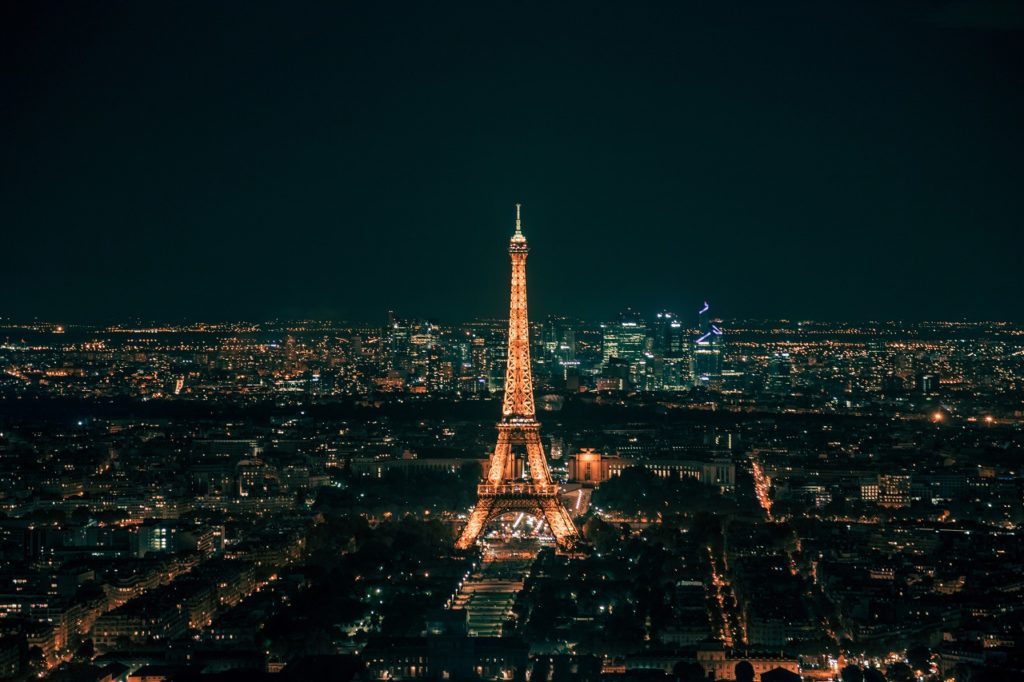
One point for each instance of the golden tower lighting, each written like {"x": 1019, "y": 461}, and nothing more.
{"x": 502, "y": 492}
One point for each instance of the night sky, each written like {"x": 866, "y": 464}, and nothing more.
{"x": 821, "y": 159}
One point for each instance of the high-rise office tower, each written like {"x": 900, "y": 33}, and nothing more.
{"x": 396, "y": 341}
{"x": 423, "y": 352}
{"x": 671, "y": 360}
{"x": 669, "y": 336}
{"x": 625, "y": 341}
{"x": 551, "y": 334}
{"x": 780, "y": 373}
{"x": 558, "y": 342}
{"x": 707, "y": 350}
{"x": 480, "y": 365}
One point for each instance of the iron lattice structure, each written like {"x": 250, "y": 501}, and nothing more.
{"x": 503, "y": 491}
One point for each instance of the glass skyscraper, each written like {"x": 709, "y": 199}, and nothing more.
{"x": 707, "y": 350}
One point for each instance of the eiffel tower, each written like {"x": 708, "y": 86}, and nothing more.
{"x": 504, "y": 490}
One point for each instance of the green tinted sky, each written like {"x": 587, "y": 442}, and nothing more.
{"x": 839, "y": 160}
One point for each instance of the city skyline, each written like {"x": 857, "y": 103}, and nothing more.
{"x": 277, "y": 403}
{"x": 145, "y": 177}
{"x": 706, "y": 506}
{"x": 692, "y": 324}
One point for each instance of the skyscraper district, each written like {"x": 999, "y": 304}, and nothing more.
{"x": 707, "y": 499}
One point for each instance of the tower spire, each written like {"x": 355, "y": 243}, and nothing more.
{"x": 519, "y": 236}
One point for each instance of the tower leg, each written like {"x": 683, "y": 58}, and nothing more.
{"x": 559, "y": 522}
{"x": 535, "y": 456}
{"x": 477, "y": 520}
{"x": 501, "y": 464}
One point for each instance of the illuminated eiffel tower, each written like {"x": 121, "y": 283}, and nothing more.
{"x": 504, "y": 490}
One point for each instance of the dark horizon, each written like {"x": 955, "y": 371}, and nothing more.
{"x": 845, "y": 161}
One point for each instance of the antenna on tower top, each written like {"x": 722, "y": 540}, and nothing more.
{"x": 519, "y": 223}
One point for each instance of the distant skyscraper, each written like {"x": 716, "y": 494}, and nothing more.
{"x": 707, "y": 350}
{"x": 670, "y": 365}
{"x": 625, "y": 341}
{"x": 675, "y": 374}
{"x": 424, "y": 353}
{"x": 780, "y": 373}
{"x": 396, "y": 336}
{"x": 567, "y": 347}
{"x": 669, "y": 336}
{"x": 551, "y": 336}
{"x": 558, "y": 342}
{"x": 480, "y": 365}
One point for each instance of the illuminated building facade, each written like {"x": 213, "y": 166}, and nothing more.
{"x": 669, "y": 335}
{"x": 780, "y": 373}
{"x": 625, "y": 339}
{"x": 591, "y": 468}
{"x": 558, "y": 342}
{"x": 625, "y": 351}
{"x": 707, "y": 350}
{"x": 894, "y": 490}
